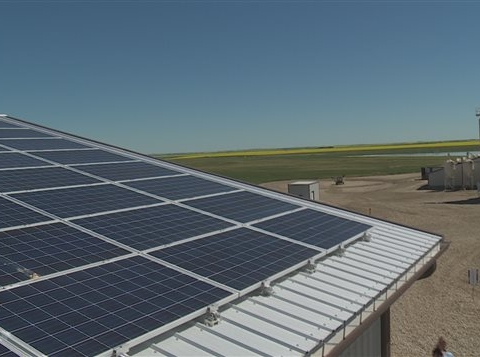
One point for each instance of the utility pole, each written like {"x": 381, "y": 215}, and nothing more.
{"x": 477, "y": 114}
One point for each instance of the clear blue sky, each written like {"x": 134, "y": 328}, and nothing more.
{"x": 165, "y": 76}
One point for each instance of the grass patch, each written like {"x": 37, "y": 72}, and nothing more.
{"x": 261, "y": 169}
{"x": 296, "y": 164}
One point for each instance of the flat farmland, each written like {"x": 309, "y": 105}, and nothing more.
{"x": 320, "y": 163}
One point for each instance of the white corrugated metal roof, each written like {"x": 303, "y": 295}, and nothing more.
{"x": 310, "y": 311}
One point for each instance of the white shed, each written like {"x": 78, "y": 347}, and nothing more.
{"x": 305, "y": 189}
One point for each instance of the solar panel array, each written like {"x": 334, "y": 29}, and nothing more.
{"x": 100, "y": 246}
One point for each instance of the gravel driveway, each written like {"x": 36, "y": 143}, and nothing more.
{"x": 443, "y": 304}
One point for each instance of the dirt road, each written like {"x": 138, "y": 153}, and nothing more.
{"x": 442, "y": 304}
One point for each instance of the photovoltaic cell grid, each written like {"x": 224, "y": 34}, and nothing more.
{"x": 47, "y": 249}
{"x": 126, "y": 171}
{"x": 152, "y": 227}
{"x": 22, "y": 133}
{"x": 91, "y": 311}
{"x": 96, "y": 309}
{"x": 70, "y": 202}
{"x": 313, "y": 227}
{"x": 14, "y": 160}
{"x": 4, "y": 124}
{"x": 237, "y": 258}
{"x": 42, "y": 144}
{"x": 80, "y": 156}
{"x": 179, "y": 187}
{"x": 242, "y": 206}
{"x": 30, "y": 179}
{"x": 12, "y": 215}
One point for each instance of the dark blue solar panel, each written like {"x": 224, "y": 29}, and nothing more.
{"x": 94, "y": 310}
{"x": 4, "y": 124}
{"x": 5, "y": 352}
{"x": 42, "y": 144}
{"x": 242, "y": 206}
{"x": 80, "y": 156}
{"x": 13, "y": 160}
{"x": 2, "y": 149}
{"x": 12, "y": 215}
{"x": 78, "y": 201}
{"x": 151, "y": 227}
{"x": 126, "y": 171}
{"x": 179, "y": 187}
{"x": 313, "y": 227}
{"x": 47, "y": 249}
{"x": 30, "y": 179}
{"x": 22, "y": 133}
{"x": 239, "y": 258}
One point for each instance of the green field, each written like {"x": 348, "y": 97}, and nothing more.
{"x": 275, "y": 165}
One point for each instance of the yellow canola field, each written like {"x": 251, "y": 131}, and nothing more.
{"x": 334, "y": 149}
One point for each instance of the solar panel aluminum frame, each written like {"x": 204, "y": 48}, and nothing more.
{"x": 10, "y": 152}
{"x": 240, "y": 185}
{"x": 301, "y": 265}
{"x": 128, "y": 153}
{"x": 124, "y": 348}
{"x": 28, "y": 125}
{"x": 280, "y": 275}
{"x": 55, "y": 134}
{"x": 179, "y": 168}
{"x": 18, "y": 346}
{"x": 27, "y": 350}
{"x": 251, "y": 288}
{"x": 55, "y": 219}
{"x": 52, "y": 218}
{"x": 225, "y": 181}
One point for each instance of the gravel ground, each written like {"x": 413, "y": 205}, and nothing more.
{"x": 444, "y": 304}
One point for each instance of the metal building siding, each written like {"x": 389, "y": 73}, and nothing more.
{"x": 369, "y": 344}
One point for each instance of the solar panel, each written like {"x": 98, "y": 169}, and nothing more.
{"x": 42, "y": 144}
{"x": 242, "y": 206}
{"x": 4, "y": 352}
{"x": 91, "y": 311}
{"x": 70, "y": 202}
{"x": 4, "y": 124}
{"x": 179, "y": 187}
{"x": 30, "y": 179}
{"x": 22, "y": 133}
{"x": 126, "y": 171}
{"x": 151, "y": 227}
{"x": 12, "y": 214}
{"x": 13, "y": 160}
{"x": 238, "y": 258}
{"x": 80, "y": 156}
{"x": 45, "y": 249}
{"x": 313, "y": 227}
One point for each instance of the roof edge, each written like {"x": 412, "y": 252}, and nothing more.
{"x": 419, "y": 274}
